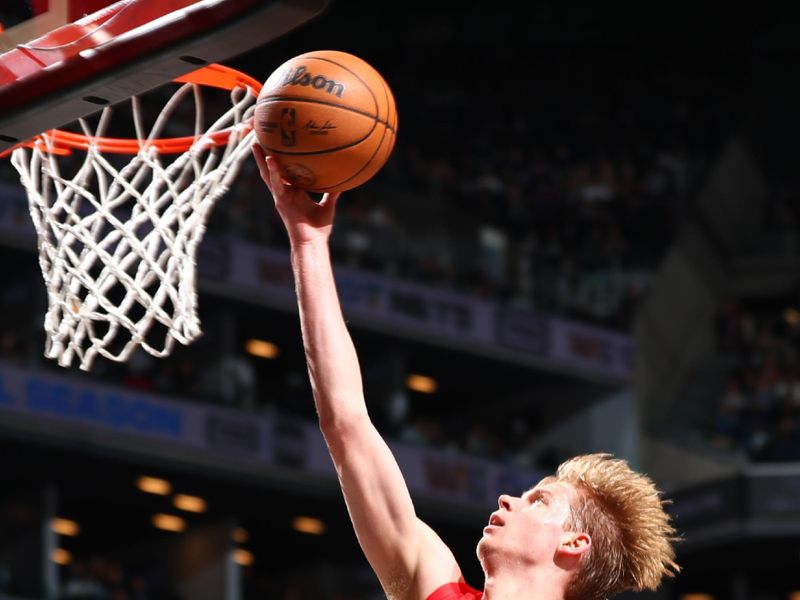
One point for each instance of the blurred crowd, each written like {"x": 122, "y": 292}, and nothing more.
{"x": 99, "y": 578}
{"x": 547, "y": 198}
{"x": 212, "y": 371}
{"x": 102, "y": 578}
{"x": 759, "y": 411}
{"x": 323, "y": 580}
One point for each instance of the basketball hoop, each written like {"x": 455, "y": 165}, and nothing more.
{"x": 118, "y": 241}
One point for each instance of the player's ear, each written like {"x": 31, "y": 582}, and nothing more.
{"x": 575, "y": 543}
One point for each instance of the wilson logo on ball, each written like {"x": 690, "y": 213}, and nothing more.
{"x": 300, "y": 76}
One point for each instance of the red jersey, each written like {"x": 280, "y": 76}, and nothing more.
{"x": 456, "y": 591}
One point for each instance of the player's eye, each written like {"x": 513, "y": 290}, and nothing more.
{"x": 537, "y": 499}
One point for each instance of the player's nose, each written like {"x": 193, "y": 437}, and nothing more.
{"x": 504, "y": 501}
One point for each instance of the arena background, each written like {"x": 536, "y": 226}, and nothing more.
{"x": 587, "y": 239}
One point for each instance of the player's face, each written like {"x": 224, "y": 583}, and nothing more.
{"x": 527, "y": 529}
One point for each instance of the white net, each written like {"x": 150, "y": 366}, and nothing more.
{"x": 118, "y": 241}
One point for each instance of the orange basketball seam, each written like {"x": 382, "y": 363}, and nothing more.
{"x": 364, "y": 166}
{"x": 327, "y": 150}
{"x": 389, "y": 105}
{"x": 354, "y": 74}
{"x": 335, "y": 149}
{"x": 268, "y": 99}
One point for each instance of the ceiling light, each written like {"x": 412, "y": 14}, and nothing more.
{"x": 169, "y": 522}
{"x": 189, "y": 503}
{"x": 422, "y": 384}
{"x": 261, "y": 348}
{"x": 308, "y": 525}
{"x": 65, "y": 527}
{"x": 243, "y": 557}
{"x": 153, "y": 485}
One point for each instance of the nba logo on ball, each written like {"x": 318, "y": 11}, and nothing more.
{"x": 288, "y": 137}
{"x": 329, "y": 119}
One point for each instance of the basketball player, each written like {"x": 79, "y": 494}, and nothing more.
{"x": 592, "y": 530}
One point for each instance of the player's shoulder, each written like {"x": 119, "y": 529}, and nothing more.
{"x": 435, "y": 565}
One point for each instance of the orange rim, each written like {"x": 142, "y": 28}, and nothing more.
{"x": 213, "y": 75}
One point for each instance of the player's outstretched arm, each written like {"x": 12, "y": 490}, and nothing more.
{"x": 408, "y": 557}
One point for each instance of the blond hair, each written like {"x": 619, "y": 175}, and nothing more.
{"x": 623, "y": 513}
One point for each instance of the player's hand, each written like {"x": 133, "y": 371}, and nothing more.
{"x": 305, "y": 220}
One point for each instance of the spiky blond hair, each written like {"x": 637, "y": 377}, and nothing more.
{"x": 622, "y": 511}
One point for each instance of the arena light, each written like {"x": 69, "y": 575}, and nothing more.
{"x": 169, "y": 522}
{"x": 308, "y": 525}
{"x": 189, "y": 503}
{"x": 422, "y": 384}
{"x": 240, "y": 535}
{"x": 61, "y": 557}
{"x": 243, "y": 557}
{"x": 65, "y": 527}
{"x": 795, "y": 595}
{"x": 261, "y": 348}
{"x": 154, "y": 485}
{"x": 792, "y": 317}
{"x": 696, "y": 597}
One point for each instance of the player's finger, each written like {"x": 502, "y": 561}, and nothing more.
{"x": 330, "y": 199}
{"x": 263, "y": 169}
{"x": 275, "y": 175}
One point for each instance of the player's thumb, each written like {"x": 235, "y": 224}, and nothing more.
{"x": 329, "y": 200}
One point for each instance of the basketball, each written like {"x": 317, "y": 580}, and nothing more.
{"x": 328, "y": 118}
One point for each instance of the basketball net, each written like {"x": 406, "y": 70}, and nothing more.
{"x": 118, "y": 244}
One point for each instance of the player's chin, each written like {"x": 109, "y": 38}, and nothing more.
{"x": 485, "y": 548}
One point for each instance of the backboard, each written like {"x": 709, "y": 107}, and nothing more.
{"x": 55, "y": 69}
